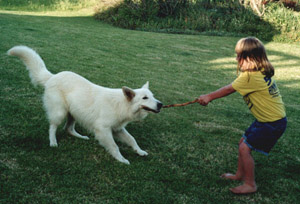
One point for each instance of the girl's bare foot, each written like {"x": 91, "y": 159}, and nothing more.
{"x": 244, "y": 189}
{"x": 231, "y": 176}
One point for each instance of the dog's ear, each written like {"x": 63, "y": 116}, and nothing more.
{"x": 146, "y": 86}
{"x": 128, "y": 93}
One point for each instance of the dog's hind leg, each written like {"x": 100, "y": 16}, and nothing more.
{"x": 70, "y": 127}
{"x": 105, "y": 138}
{"x": 56, "y": 113}
{"x": 128, "y": 139}
{"x": 52, "y": 135}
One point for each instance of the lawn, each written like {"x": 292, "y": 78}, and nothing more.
{"x": 189, "y": 147}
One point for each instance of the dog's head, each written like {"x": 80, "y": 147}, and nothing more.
{"x": 142, "y": 100}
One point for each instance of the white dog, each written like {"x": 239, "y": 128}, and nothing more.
{"x": 103, "y": 111}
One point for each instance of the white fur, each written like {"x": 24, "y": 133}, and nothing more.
{"x": 103, "y": 111}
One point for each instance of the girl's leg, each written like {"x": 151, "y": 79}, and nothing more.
{"x": 240, "y": 170}
{"x": 249, "y": 185}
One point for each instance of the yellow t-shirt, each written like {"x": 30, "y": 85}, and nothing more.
{"x": 261, "y": 95}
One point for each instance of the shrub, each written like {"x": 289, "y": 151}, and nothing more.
{"x": 285, "y": 21}
{"x": 187, "y": 16}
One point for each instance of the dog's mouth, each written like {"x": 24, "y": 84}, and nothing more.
{"x": 150, "y": 109}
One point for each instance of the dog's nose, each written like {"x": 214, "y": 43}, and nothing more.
{"x": 159, "y": 105}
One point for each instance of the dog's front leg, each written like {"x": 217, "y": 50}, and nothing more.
{"x": 128, "y": 139}
{"x": 105, "y": 138}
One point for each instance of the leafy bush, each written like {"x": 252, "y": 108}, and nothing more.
{"x": 285, "y": 21}
{"x": 196, "y": 16}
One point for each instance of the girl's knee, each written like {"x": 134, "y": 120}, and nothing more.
{"x": 241, "y": 140}
{"x": 244, "y": 149}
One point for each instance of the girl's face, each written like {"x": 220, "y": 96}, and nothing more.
{"x": 243, "y": 63}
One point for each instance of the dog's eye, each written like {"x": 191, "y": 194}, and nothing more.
{"x": 145, "y": 97}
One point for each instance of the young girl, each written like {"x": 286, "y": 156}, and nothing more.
{"x": 259, "y": 90}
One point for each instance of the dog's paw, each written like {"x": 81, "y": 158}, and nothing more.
{"x": 125, "y": 161}
{"x": 53, "y": 145}
{"x": 142, "y": 152}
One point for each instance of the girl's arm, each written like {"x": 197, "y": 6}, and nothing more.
{"x": 224, "y": 91}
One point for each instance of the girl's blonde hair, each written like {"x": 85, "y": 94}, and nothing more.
{"x": 253, "y": 51}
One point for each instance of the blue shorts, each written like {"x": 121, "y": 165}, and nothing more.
{"x": 262, "y": 137}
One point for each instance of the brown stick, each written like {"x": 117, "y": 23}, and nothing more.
{"x": 182, "y": 104}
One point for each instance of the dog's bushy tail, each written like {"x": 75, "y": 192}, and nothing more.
{"x": 37, "y": 69}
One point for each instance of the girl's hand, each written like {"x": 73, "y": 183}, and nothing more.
{"x": 224, "y": 91}
{"x": 204, "y": 99}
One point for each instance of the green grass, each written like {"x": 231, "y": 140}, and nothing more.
{"x": 46, "y": 5}
{"x": 188, "y": 147}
